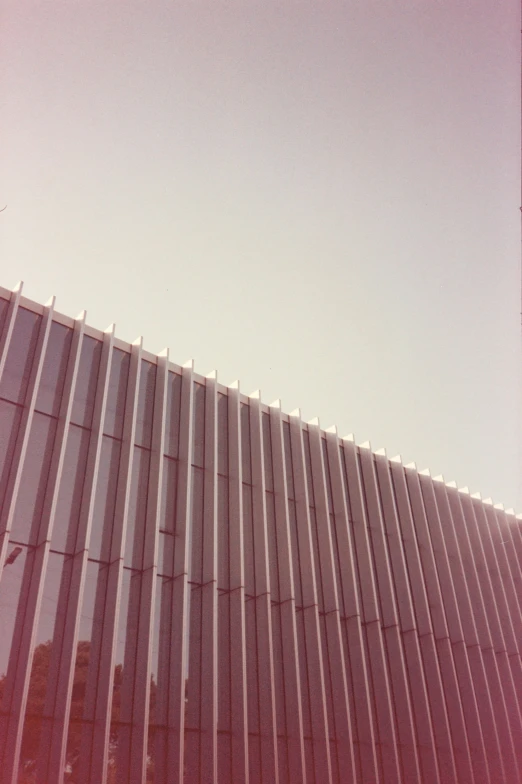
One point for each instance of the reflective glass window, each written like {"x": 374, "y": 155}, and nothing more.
{"x": 245, "y": 443}
{"x": 116, "y": 394}
{"x": 198, "y": 454}
{"x": 222, "y": 447}
{"x": 10, "y": 416}
{"x": 145, "y": 410}
{"x": 40, "y": 670}
{"x": 168, "y": 496}
{"x": 267, "y": 450}
{"x": 86, "y": 381}
{"x": 70, "y": 491}
{"x": 54, "y": 369}
{"x": 35, "y": 472}
{"x": 287, "y": 442}
{"x": 172, "y": 414}
{"x": 4, "y": 307}
{"x": 10, "y": 588}
{"x": 105, "y": 499}
{"x": 135, "y": 532}
{"x": 13, "y": 384}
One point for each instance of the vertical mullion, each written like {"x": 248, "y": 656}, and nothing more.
{"x": 239, "y": 714}
{"x": 290, "y": 650}
{"x": 432, "y": 666}
{"x": 209, "y": 609}
{"x": 98, "y": 699}
{"x": 263, "y": 611}
{"x": 372, "y": 621}
{"x": 175, "y": 749}
{"x": 19, "y": 667}
{"x": 408, "y": 625}
{"x": 406, "y": 736}
{"x": 319, "y": 717}
{"x": 429, "y": 576}
{"x": 337, "y": 667}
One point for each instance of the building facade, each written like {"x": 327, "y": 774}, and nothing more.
{"x": 196, "y": 587}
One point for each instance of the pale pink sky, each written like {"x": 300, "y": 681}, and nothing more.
{"x": 321, "y": 199}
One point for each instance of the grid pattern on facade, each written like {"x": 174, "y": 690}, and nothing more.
{"x": 196, "y": 587}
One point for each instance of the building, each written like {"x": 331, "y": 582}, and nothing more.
{"x": 197, "y": 587}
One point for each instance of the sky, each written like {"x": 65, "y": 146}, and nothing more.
{"x": 320, "y": 199}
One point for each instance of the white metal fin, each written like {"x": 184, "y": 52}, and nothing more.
{"x": 332, "y": 429}
{"x": 256, "y": 394}
{"x": 276, "y": 404}
{"x": 295, "y": 413}
{"x": 234, "y": 384}
{"x": 411, "y": 465}
{"x": 349, "y": 437}
{"x": 189, "y": 364}
{"x": 499, "y": 506}
{"x": 212, "y": 374}
{"x": 438, "y": 478}
{"x": 314, "y": 422}
{"x": 464, "y": 490}
{"x": 396, "y": 459}
{"x": 425, "y": 472}
{"x": 451, "y": 484}
{"x": 365, "y": 445}
{"x": 381, "y": 451}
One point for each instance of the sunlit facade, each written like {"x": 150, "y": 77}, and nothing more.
{"x": 196, "y": 587}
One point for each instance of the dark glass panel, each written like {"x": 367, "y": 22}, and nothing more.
{"x": 105, "y": 499}
{"x": 196, "y": 529}
{"x": 116, "y": 394}
{"x": 168, "y": 497}
{"x": 288, "y": 459}
{"x": 40, "y": 663}
{"x": 63, "y": 537}
{"x": 198, "y": 455}
{"x": 137, "y": 508}
{"x": 4, "y": 307}
{"x": 327, "y": 474}
{"x": 86, "y": 381}
{"x": 29, "y": 502}
{"x": 145, "y": 404}
{"x": 13, "y": 384}
{"x": 166, "y": 544}
{"x": 267, "y": 451}
{"x": 172, "y": 414}
{"x": 308, "y": 468}
{"x": 272, "y": 545}
{"x": 54, "y": 369}
{"x": 10, "y": 416}
{"x": 223, "y": 529}
{"x": 10, "y": 587}
{"x": 222, "y": 447}
{"x": 245, "y": 443}
{"x": 248, "y": 539}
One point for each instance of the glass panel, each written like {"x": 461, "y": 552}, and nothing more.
{"x": 137, "y": 508}
{"x": 85, "y": 391}
{"x": 145, "y": 404}
{"x": 168, "y": 495}
{"x": 34, "y": 479}
{"x": 198, "y": 456}
{"x": 245, "y": 443}
{"x": 116, "y": 393}
{"x": 172, "y": 414}
{"x": 63, "y": 537}
{"x": 54, "y": 369}
{"x": 10, "y": 587}
{"x": 327, "y": 474}
{"x": 196, "y": 529}
{"x": 267, "y": 450}
{"x": 287, "y": 443}
{"x": 40, "y": 665}
{"x": 308, "y": 468}
{"x": 105, "y": 502}
{"x": 222, "y": 434}
{"x": 82, "y": 668}
{"x": 10, "y": 416}
{"x": 4, "y": 307}
{"x": 13, "y": 384}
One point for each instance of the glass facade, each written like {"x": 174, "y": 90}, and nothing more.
{"x": 198, "y": 588}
